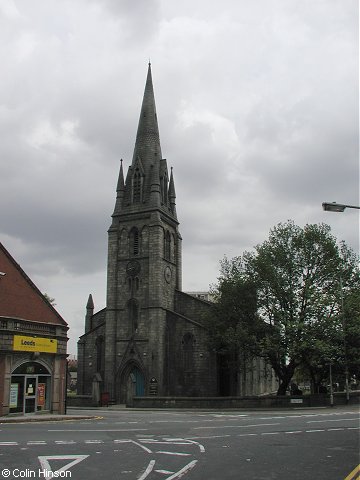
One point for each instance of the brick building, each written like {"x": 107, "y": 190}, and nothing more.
{"x": 149, "y": 340}
{"x": 33, "y": 338}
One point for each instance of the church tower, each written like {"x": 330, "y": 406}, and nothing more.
{"x": 150, "y": 338}
{"x": 144, "y": 265}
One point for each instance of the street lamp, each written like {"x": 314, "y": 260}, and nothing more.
{"x": 339, "y": 207}
{"x": 336, "y": 207}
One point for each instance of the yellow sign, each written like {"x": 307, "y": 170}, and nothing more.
{"x": 34, "y": 344}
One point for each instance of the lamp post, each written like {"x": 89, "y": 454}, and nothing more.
{"x": 331, "y": 386}
{"x": 336, "y": 207}
{"x": 340, "y": 207}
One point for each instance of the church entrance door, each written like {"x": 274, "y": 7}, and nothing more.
{"x": 135, "y": 385}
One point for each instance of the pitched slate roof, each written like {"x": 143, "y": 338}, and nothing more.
{"x": 19, "y": 296}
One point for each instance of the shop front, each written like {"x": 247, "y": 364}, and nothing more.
{"x": 30, "y": 388}
{"x": 33, "y": 339}
{"x": 32, "y": 372}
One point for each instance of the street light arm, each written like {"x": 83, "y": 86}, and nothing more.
{"x": 337, "y": 207}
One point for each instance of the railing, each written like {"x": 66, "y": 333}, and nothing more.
{"x": 28, "y": 327}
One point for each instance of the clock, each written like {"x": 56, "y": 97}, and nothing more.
{"x": 133, "y": 268}
{"x": 167, "y": 274}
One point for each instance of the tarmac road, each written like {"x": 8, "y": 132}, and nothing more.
{"x": 194, "y": 445}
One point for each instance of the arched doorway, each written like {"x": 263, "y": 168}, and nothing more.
{"x": 30, "y": 388}
{"x": 132, "y": 383}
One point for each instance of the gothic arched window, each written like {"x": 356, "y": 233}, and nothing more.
{"x": 188, "y": 342}
{"x": 133, "y": 312}
{"x": 167, "y": 245}
{"x": 100, "y": 355}
{"x": 137, "y": 186}
{"x": 134, "y": 242}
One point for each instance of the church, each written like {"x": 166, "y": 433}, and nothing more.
{"x": 150, "y": 338}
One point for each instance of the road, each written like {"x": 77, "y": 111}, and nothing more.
{"x": 194, "y": 445}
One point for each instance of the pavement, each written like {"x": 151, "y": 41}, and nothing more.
{"x": 51, "y": 417}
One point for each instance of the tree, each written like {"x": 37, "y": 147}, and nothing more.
{"x": 50, "y": 299}
{"x": 296, "y": 276}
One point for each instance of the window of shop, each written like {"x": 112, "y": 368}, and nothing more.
{"x": 30, "y": 389}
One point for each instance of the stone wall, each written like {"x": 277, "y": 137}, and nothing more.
{"x": 87, "y": 359}
{"x": 244, "y": 402}
{"x": 191, "y": 367}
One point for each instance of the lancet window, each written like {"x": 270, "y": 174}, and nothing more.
{"x": 137, "y": 186}
{"x": 134, "y": 242}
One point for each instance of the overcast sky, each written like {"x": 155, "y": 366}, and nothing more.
{"x": 257, "y": 104}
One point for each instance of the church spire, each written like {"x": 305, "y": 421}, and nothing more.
{"x": 147, "y": 145}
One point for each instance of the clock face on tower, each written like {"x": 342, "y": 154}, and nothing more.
{"x": 167, "y": 274}
{"x": 133, "y": 268}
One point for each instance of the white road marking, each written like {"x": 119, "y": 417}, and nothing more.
{"x": 44, "y": 462}
{"x": 135, "y": 443}
{"x": 227, "y": 415}
{"x": 333, "y": 420}
{"x": 313, "y": 431}
{"x": 240, "y": 426}
{"x": 94, "y": 441}
{"x": 180, "y": 454}
{"x": 65, "y": 442}
{"x": 166, "y": 472}
{"x": 295, "y": 431}
{"x": 209, "y": 436}
{"x": 105, "y": 430}
{"x": 8, "y": 443}
{"x": 201, "y": 447}
{"x": 36, "y": 442}
{"x": 182, "y": 472}
{"x": 270, "y": 433}
{"x": 148, "y": 470}
{"x": 335, "y": 429}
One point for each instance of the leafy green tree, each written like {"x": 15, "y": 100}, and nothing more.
{"x": 351, "y": 324}
{"x": 296, "y": 313}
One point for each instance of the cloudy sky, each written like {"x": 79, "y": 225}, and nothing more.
{"x": 257, "y": 104}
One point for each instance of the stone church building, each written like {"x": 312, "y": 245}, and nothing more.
{"x": 150, "y": 339}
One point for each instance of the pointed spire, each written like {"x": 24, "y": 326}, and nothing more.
{"x": 172, "y": 194}
{"x": 90, "y": 303}
{"x": 120, "y": 191}
{"x": 89, "y": 314}
{"x": 121, "y": 184}
{"x": 147, "y": 145}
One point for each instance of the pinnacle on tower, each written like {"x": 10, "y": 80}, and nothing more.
{"x": 172, "y": 194}
{"x": 120, "y": 190}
